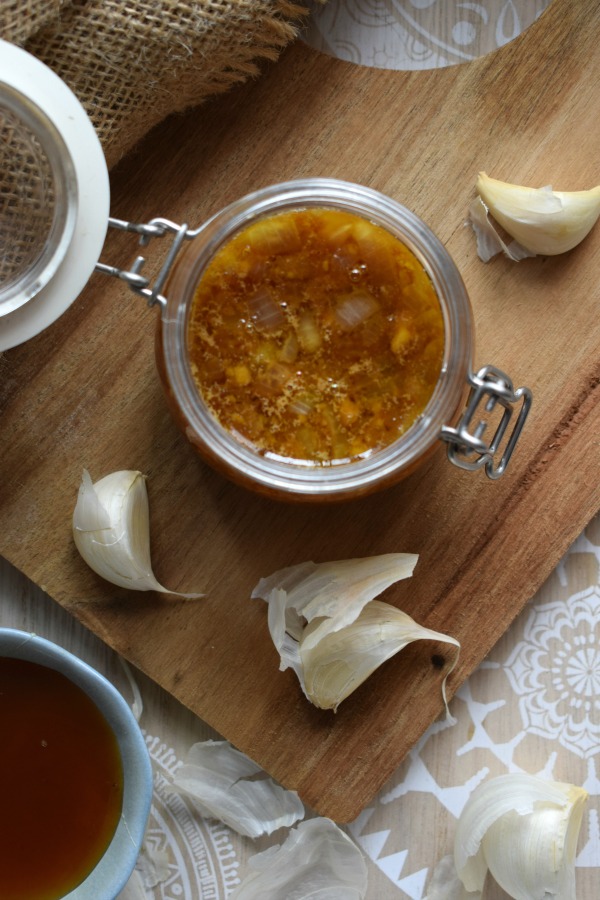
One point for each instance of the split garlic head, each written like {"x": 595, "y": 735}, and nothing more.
{"x": 541, "y": 221}
{"x": 111, "y": 530}
{"x": 523, "y": 830}
{"x": 327, "y": 626}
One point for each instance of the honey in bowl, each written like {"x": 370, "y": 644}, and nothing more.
{"x": 315, "y": 336}
{"x": 63, "y": 782}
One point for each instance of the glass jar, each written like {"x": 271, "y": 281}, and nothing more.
{"x": 298, "y": 480}
{"x": 56, "y": 178}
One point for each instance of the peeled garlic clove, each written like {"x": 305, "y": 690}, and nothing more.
{"x": 222, "y": 784}
{"x": 344, "y": 659}
{"x": 524, "y": 830}
{"x": 111, "y": 530}
{"x": 317, "y": 859}
{"x": 543, "y": 221}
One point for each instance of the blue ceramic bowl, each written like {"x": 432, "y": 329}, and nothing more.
{"x": 114, "y": 868}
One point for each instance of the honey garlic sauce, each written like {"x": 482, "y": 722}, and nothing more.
{"x": 62, "y": 784}
{"x": 315, "y": 336}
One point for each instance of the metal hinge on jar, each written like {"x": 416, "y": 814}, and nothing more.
{"x": 467, "y": 448}
{"x": 156, "y": 228}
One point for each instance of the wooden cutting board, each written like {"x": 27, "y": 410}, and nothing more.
{"x": 86, "y": 393}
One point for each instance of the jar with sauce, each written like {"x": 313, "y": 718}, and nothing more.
{"x": 315, "y": 338}
{"x": 315, "y": 344}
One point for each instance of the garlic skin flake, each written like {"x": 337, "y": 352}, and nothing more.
{"x": 489, "y": 242}
{"x": 446, "y": 885}
{"x": 327, "y": 627}
{"x": 222, "y": 784}
{"x": 541, "y": 220}
{"x": 111, "y": 530}
{"x": 316, "y": 860}
{"x": 524, "y": 830}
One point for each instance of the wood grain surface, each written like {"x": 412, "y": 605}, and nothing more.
{"x": 86, "y": 393}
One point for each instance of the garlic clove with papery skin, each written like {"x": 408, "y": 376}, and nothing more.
{"x": 111, "y": 530}
{"x": 543, "y": 221}
{"x": 336, "y": 591}
{"x": 342, "y": 660}
{"x": 524, "y": 830}
{"x": 327, "y": 626}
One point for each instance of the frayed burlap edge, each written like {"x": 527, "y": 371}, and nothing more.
{"x": 133, "y": 63}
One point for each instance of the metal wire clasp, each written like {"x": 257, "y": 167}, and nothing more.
{"x": 133, "y": 277}
{"x": 466, "y": 447}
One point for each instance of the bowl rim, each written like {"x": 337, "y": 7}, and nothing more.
{"x": 114, "y": 869}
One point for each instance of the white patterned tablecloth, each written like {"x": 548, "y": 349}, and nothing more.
{"x": 533, "y": 705}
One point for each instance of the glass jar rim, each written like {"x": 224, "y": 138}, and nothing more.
{"x": 240, "y": 461}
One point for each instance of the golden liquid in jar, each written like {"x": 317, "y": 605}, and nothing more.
{"x": 315, "y": 336}
{"x": 62, "y": 784}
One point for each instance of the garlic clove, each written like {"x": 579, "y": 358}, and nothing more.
{"x": 344, "y": 659}
{"x": 332, "y": 592}
{"x": 335, "y": 590}
{"x": 317, "y": 859}
{"x": 327, "y": 627}
{"x": 111, "y": 530}
{"x": 524, "y": 830}
{"x": 543, "y": 221}
{"x": 222, "y": 784}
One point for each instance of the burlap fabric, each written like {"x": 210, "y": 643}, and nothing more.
{"x": 132, "y": 62}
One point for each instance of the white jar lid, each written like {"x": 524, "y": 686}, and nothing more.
{"x": 54, "y": 196}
